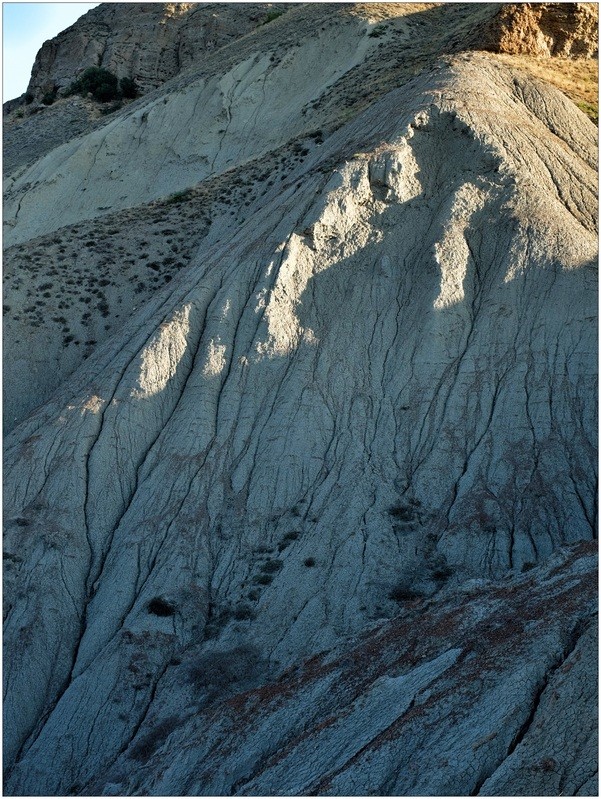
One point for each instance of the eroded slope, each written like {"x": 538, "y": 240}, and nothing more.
{"x": 381, "y": 384}
{"x": 386, "y": 714}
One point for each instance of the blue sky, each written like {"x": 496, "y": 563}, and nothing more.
{"x": 26, "y": 26}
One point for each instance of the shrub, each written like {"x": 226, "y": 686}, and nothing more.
{"x": 100, "y": 83}
{"x": 404, "y": 513}
{"x": 590, "y": 109}
{"x": 128, "y": 88}
{"x": 442, "y": 572}
{"x": 272, "y": 566}
{"x": 160, "y": 607}
{"x": 243, "y": 612}
{"x": 287, "y": 540}
{"x": 309, "y": 562}
{"x": 402, "y": 593}
{"x": 112, "y": 108}
{"x": 263, "y": 579}
{"x": 28, "y": 98}
{"x": 214, "y": 672}
{"x": 271, "y": 16}
{"x": 178, "y": 197}
{"x": 49, "y": 97}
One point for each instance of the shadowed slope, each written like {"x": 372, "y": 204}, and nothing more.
{"x": 382, "y": 383}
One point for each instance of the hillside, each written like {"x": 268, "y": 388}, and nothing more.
{"x": 300, "y": 385}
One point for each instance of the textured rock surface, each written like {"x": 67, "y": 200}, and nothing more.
{"x": 546, "y": 29}
{"x": 76, "y": 181}
{"x": 169, "y": 37}
{"x": 367, "y": 389}
{"x": 386, "y": 714}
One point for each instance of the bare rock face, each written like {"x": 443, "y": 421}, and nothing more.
{"x": 168, "y": 37}
{"x": 546, "y": 29}
{"x": 314, "y": 513}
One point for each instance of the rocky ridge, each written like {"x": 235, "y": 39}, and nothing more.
{"x": 169, "y": 37}
{"x": 262, "y": 514}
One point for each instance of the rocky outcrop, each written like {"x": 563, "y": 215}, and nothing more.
{"x": 545, "y": 29}
{"x": 169, "y": 37}
{"x": 121, "y": 164}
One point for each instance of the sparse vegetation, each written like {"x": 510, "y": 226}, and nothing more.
{"x": 287, "y": 540}
{"x": 160, "y": 607}
{"x": 590, "y": 109}
{"x": 578, "y": 78}
{"x": 377, "y": 32}
{"x": 214, "y": 672}
{"x": 271, "y": 566}
{"x": 271, "y": 16}
{"x": 402, "y": 593}
{"x": 178, "y": 197}
{"x": 402, "y": 512}
{"x": 111, "y": 108}
{"x": 442, "y": 572}
{"x": 49, "y": 97}
{"x": 263, "y": 579}
{"x": 129, "y": 88}
{"x": 98, "y": 82}
{"x": 243, "y": 612}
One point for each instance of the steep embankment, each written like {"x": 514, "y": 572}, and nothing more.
{"x": 379, "y": 384}
{"x": 68, "y": 290}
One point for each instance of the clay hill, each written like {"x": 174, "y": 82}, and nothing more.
{"x": 300, "y": 379}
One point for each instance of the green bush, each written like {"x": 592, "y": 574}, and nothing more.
{"x": 128, "y": 88}
{"x": 100, "y": 83}
{"x": 49, "y": 97}
{"x": 271, "y": 16}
